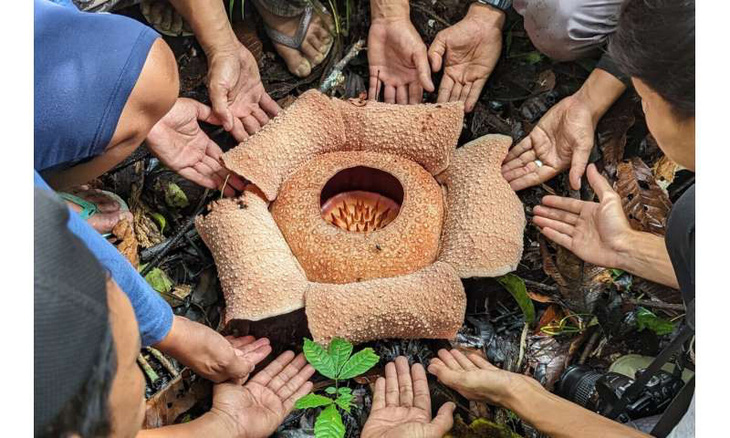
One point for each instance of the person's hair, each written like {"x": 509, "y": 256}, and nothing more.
{"x": 655, "y": 42}
{"x": 87, "y": 414}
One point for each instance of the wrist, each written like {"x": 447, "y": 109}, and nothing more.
{"x": 625, "y": 249}
{"x": 486, "y": 15}
{"x": 389, "y": 10}
{"x": 599, "y": 92}
{"x": 217, "y": 423}
{"x": 512, "y": 395}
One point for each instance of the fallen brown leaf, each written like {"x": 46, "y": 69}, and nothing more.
{"x": 611, "y": 132}
{"x": 126, "y": 241}
{"x": 644, "y": 202}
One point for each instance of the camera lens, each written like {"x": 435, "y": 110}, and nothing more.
{"x": 578, "y": 384}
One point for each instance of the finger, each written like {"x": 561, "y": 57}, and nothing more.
{"x": 455, "y": 92}
{"x": 204, "y": 113}
{"x": 264, "y": 376}
{"x": 561, "y": 239}
{"x": 240, "y": 341}
{"x": 445, "y": 374}
{"x": 563, "y": 203}
{"x": 401, "y": 95}
{"x": 447, "y": 84}
{"x": 301, "y": 392}
{"x": 520, "y": 148}
{"x": 295, "y": 382}
{"x": 260, "y": 116}
{"x": 373, "y": 89}
{"x": 392, "y": 395}
{"x": 389, "y": 94}
{"x": 420, "y": 59}
{"x": 279, "y": 380}
{"x": 253, "y": 346}
{"x": 561, "y": 227}
{"x": 238, "y": 132}
{"x": 599, "y": 184}
{"x": 449, "y": 360}
{"x": 481, "y": 362}
{"x": 438, "y": 362}
{"x": 415, "y": 93}
{"x": 521, "y": 165}
{"x": 578, "y": 166}
{"x": 474, "y": 93}
{"x": 465, "y": 92}
{"x": 405, "y": 384}
{"x": 444, "y": 419}
{"x": 200, "y": 178}
{"x": 556, "y": 214}
{"x": 236, "y": 182}
{"x": 463, "y": 360}
{"x": 219, "y": 99}
{"x": 379, "y": 394}
{"x": 269, "y": 105}
{"x": 436, "y": 52}
{"x": 251, "y": 125}
{"x": 421, "y": 395}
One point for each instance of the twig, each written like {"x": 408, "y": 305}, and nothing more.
{"x": 164, "y": 361}
{"x": 147, "y": 368}
{"x": 336, "y": 72}
{"x": 657, "y": 304}
{"x": 431, "y": 14}
{"x": 541, "y": 286}
{"x": 589, "y": 347}
{"x": 523, "y": 346}
{"x": 148, "y": 253}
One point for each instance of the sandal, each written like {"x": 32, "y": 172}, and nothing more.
{"x": 90, "y": 209}
{"x": 165, "y": 19}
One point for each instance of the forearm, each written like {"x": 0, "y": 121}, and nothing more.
{"x": 209, "y": 22}
{"x": 559, "y": 418}
{"x": 599, "y": 92}
{"x": 209, "y": 426}
{"x": 645, "y": 255}
{"x": 389, "y": 10}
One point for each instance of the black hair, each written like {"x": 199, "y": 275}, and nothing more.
{"x": 87, "y": 414}
{"x": 655, "y": 42}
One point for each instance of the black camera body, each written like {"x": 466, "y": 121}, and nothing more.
{"x": 600, "y": 392}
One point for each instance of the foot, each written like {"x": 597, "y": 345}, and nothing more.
{"x": 315, "y": 46}
{"x": 164, "y": 18}
{"x": 110, "y": 212}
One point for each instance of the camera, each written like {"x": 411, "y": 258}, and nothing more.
{"x": 599, "y": 392}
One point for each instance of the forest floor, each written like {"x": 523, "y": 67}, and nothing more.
{"x": 583, "y": 313}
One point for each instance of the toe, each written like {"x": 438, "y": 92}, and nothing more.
{"x": 314, "y": 56}
{"x": 297, "y": 64}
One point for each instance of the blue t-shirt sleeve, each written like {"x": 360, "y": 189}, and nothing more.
{"x": 154, "y": 315}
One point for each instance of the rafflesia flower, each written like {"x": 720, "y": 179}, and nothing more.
{"x": 367, "y": 215}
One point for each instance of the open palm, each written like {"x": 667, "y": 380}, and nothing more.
{"x": 398, "y": 60}
{"x": 237, "y": 94}
{"x": 180, "y": 144}
{"x": 258, "y": 407}
{"x": 402, "y": 405}
{"x": 562, "y": 138}
{"x": 594, "y": 231}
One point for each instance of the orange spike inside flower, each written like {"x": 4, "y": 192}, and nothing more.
{"x": 360, "y": 211}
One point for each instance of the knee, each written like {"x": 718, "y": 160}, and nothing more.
{"x": 566, "y": 30}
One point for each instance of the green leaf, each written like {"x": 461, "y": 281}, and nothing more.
{"x": 340, "y": 350}
{"x": 344, "y": 401}
{"x": 158, "y": 279}
{"x": 344, "y": 390}
{"x": 330, "y": 390}
{"x": 161, "y": 222}
{"x": 646, "y": 319}
{"x": 360, "y": 362}
{"x": 516, "y": 286}
{"x": 313, "y": 401}
{"x": 319, "y": 359}
{"x": 175, "y": 197}
{"x": 329, "y": 424}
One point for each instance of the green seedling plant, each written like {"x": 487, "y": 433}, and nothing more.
{"x": 339, "y": 364}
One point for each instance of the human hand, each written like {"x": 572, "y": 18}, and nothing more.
{"x": 402, "y": 405}
{"x": 468, "y": 51}
{"x": 563, "y": 137}
{"x": 597, "y": 232}
{"x": 397, "y": 59}
{"x": 257, "y": 408}
{"x": 181, "y": 145}
{"x": 236, "y": 92}
{"x": 211, "y": 355}
{"x": 474, "y": 377}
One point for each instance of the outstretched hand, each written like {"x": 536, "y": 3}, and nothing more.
{"x": 597, "y": 232}
{"x": 402, "y": 405}
{"x": 398, "y": 61}
{"x": 257, "y": 408}
{"x": 562, "y": 138}
{"x": 236, "y": 92}
{"x": 181, "y": 145}
{"x": 468, "y": 52}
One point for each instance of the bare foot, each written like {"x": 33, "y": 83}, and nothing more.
{"x": 315, "y": 45}
{"x": 109, "y": 213}
{"x": 165, "y": 19}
